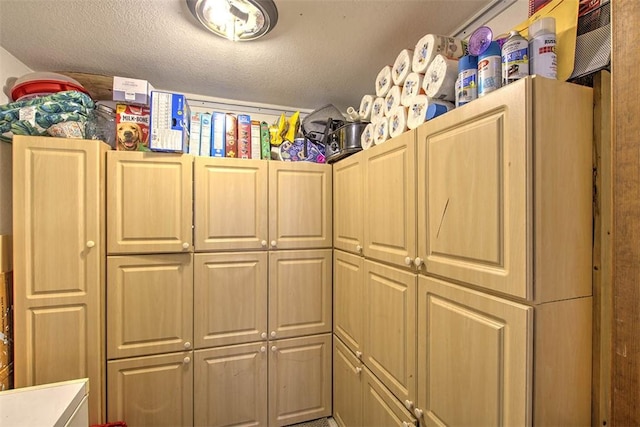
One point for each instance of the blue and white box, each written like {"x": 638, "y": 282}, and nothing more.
{"x": 205, "y": 134}
{"x": 169, "y": 128}
{"x": 218, "y": 141}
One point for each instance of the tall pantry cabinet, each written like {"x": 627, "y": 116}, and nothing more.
{"x": 59, "y": 274}
{"x": 230, "y": 326}
{"x": 215, "y": 308}
{"x": 499, "y": 273}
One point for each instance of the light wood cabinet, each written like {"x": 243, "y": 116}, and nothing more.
{"x": 502, "y": 203}
{"x": 380, "y": 407}
{"x": 390, "y": 201}
{"x": 347, "y": 386}
{"x": 149, "y": 202}
{"x": 348, "y": 300}
{"x": 300, "y": 293}
{"x": 505, "y": 191}
{"x": 231, "y": 196}
{"x": 474, "y": 357}
{"x": 59, "y": 273}
{"x": 230, "y": 386}
{"x": 230, "y": 298}
{"x": 300, "y": 205}
{"x": 348, "y": 203}
{"x": 390, "y": 327}
{"x": 151, "y": 390}
{"x": 299, "y": 379}
{"x": 149, "y": 304}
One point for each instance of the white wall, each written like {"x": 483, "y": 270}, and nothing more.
{"x": 10, "y": 69}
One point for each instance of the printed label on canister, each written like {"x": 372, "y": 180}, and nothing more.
{"x": 543, "y": 56}
{"x": 467, "y": 86}
{"x": 515, "y": 59}
{"x": 489, "y": 74}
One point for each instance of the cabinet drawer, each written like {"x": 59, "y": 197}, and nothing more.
{"x": 381, "y": 407}
{"x": 149, "y": 304}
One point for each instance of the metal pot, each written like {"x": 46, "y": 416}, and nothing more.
{"x": 344, "y": 141}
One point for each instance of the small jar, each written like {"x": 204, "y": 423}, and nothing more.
{"x": 102, "y": 125}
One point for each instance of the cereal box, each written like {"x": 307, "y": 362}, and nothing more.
{"x": 132, "y": 127}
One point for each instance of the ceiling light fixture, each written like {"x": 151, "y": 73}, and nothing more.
{"x": 237, "y": 20}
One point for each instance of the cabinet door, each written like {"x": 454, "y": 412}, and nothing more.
{"x": 230, "y": 386}
{"x": 390, "y": 327}
{"x": 149, "y": 304}
{"x": 380, "y": 407}
{"x": 348, "y": 199}
{"x": 473, "y": 192}
{"x": 58, "y": 253}
{"x": 151, "y": 391}
{"x": 348, "y": 300}
{"x": 347, "y": 386}
{"x": 230, "y": 298}
{"x": 299, "y": 379}
{"x": 474, "y": 357}
{"x": 390, "y": 201}
{"x": 149, "y": 202}
{"x": 299, "y": 293}
{"x": 230, "y": 204}
{"x": 300, "y": 205}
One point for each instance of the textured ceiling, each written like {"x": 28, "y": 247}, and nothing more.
{"x": 320, "y": 52}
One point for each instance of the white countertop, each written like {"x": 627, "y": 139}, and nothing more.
{"x": 43, "y": 405}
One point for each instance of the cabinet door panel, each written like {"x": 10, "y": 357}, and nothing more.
{"x": 348, "y": 198}
{"x": 231, "y": 386}
{"x": 300, "y": 205}
{"x": 475, "y": 225}
{"x": 390, "y": 327}
{"x": 230, "y": 298}
{"x": 347, "y": 386}
{"x": 474, "y": 357}
{"x": 380, "y": 407}
{"x": 299, "y": 293}
{"x": 149, "y": 304}
{"x": 348, "y": 299}
{"x": 231, "y": 204}
{"x": 299, "y": 379}
{"x": 390, "y": 200}
{"x": 149, "y": 202}
{"x": 151, "y": 391}
{"x": 58, "y": 263}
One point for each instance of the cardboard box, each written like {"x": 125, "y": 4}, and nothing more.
{"x": 6, "y": 319}
{"x": 218, "y": 123}
{"x": 244, "y": 136}
{"x": 169, "y": 128}
{"x": 265, "y": 141}
{"x": 194, "y": 134}
{"x": 205, "y": 134}
{"x": 231, "y": 136}
{"x": 256, "y": 146}
{"x": 6, "y": 378}
{"x": 132, "y": 127}
{"x": 131, "y": 91}
{"x": 6, "y": 253}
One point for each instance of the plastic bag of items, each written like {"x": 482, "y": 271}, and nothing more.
{"x": 60, "y": 114}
